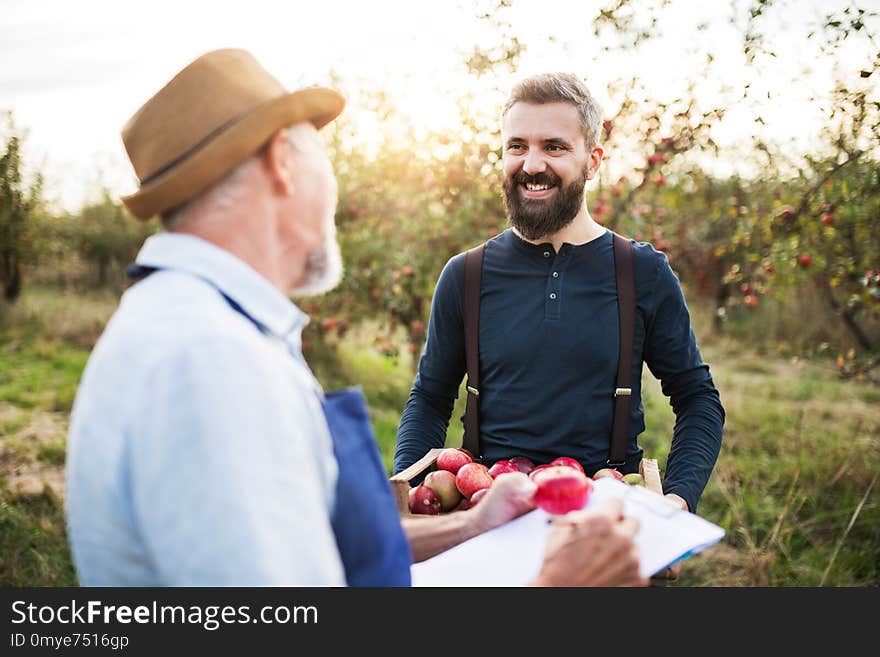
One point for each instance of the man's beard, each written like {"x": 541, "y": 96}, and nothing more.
{"x": 535, "y": 218}
{"x": 323, "y": 266}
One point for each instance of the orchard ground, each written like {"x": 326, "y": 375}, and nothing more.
{"x": 795, "y": 486}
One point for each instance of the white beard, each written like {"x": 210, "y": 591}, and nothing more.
{"x": 323, "y": 268}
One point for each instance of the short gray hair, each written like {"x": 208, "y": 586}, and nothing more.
{"x": 222, "y": 194}
{"x": 561, "y": 88}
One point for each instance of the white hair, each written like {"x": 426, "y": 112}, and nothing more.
{"x": 224, "y": 193}
{"x": 324, "y": 267}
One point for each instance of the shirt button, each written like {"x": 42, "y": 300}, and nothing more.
{"x": 556, "y": 274}
{"x": 553, "y": 295}
{"x": 546, "y": 254}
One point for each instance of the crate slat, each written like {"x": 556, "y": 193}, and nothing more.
{"x": 651, "y": 472}
{"x": 400, "y": 481}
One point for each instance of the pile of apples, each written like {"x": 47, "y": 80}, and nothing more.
{"x": 459, "y": 483}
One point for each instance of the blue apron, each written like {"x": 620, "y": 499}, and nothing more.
{"x": 373, "y": 547}
{"x": 365, "y": 519}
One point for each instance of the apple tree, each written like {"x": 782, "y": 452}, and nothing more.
{"x": 20, "y": 208}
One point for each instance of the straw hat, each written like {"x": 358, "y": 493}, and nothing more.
{"x": 211, "y": 116}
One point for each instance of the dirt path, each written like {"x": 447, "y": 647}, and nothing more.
{"x": 32, "y": 452}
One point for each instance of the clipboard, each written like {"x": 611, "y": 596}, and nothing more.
{"x": 511, "y": 555}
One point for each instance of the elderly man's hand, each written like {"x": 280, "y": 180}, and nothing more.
{"x": 511, "y": 494}
{"x": 592, "y": 548}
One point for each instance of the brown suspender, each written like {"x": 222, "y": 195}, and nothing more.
{"x": 473, "y": 274}
{"x": 624, "y": 270}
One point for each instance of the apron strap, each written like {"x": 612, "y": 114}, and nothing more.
{"x": 136, "y": 273}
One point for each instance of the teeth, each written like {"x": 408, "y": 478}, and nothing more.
{"x": 536, "y": 188}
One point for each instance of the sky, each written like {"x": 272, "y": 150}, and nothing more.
{"x": 73, "y": 72}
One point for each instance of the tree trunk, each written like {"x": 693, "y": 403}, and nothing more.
{"x": 103, "y": 265}
{"x": 848, "y": 318}
{"x": 13, "y": 282}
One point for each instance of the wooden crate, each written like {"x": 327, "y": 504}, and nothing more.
{"x": 400, "y": 483}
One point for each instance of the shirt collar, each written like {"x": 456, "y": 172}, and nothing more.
{"x": 261, "y": 300}
{"x": 539, "y": 249}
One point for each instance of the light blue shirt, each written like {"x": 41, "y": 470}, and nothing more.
{"x": 198, "y": 452}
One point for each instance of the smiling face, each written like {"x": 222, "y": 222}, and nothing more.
{"x": 546, "y": 165}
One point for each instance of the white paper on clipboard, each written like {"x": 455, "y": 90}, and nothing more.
{"x": 511, "y": 555}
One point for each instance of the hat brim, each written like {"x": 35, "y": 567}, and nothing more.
{"x": 206, "y": 164}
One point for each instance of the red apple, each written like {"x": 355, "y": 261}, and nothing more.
{"x": 500, "y": 467}
{"x": 804, "y": 260}
{"x": 567, "y": 462}
{"x": 538, "y": 469}
{"x": 442, "y": 482}
{"x": 424, "y": 501}
{"x": 452, "y": 459}
{"x": 476, "y": 497}
{"x": 828, "y": 218}
{"x": 608, "y": 472}
{"x": 561, "y": 489}
{"x": 524, "y": 464}
{"x": 472, "y": 477}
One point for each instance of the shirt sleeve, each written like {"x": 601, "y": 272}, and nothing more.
{"x": 229, "y": 476}
{"x": 425, "y": 417}
{"x": 673, "y": 357}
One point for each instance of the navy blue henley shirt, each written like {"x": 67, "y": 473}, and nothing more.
{"x": 548, "y": 361}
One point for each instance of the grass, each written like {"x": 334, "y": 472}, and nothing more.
{"x": 33, "y": 543}
{"x": 795, "y": 486}
{"x": 40, "y": 374}
{"x": 799, "y": 461}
